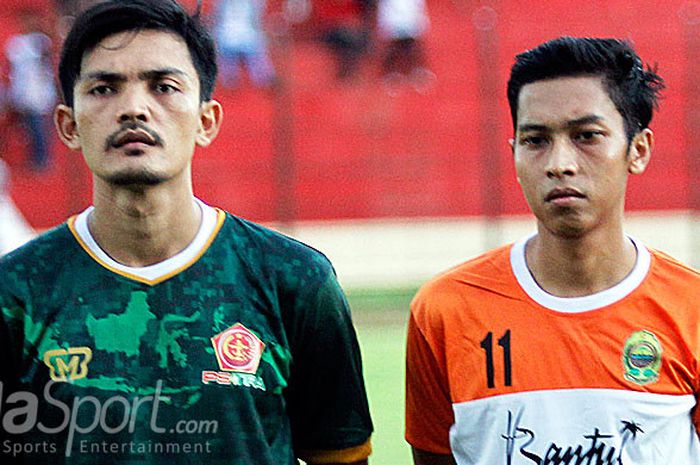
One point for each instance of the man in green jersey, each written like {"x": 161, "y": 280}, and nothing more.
{"x": 153, "y": 328}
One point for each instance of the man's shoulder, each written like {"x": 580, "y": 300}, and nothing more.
{"x": 37, "y": 261}
{"x": 488, "y": 273}
{"x": 673, "y": 273}
{"x": 45, "y": 249}
{"x": 274, "y": 248}
{"x": 674, "y": 265}
{"x": 484, "y": 270}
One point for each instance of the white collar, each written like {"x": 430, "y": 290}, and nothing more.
{"x": 152, "y": 274}
{"x": 584, "y": 303}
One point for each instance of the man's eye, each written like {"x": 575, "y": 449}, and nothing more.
{"x": 101, "y": 90}
{"x": 533, "y": 141}
{"x": 163, "y": 88}
{"x": 588, "y": 136}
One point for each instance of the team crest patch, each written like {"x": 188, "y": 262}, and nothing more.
{"x": 641, "y": 358}
{"x": 238, "y": 349}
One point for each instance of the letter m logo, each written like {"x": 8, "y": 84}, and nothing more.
{"x": 67, "y": 365}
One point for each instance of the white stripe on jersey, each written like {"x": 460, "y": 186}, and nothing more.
{"x": 576, "y": 427}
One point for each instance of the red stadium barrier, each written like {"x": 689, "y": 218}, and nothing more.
{"x": 354, "y": 150}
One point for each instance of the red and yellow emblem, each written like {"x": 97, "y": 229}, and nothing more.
{"x": 238, "y": 349}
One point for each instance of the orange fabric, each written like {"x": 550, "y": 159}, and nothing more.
{"x": 427, "y": 397}
{"x": 453, "y": 315}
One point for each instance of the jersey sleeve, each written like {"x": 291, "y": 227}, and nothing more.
{"x": 11, "y": 335}
{"x": 11, "y": 350}
{"x": 327, "y": 401}
{"x": 429, "y": 414}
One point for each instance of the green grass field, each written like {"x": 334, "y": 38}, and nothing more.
{"x": 380, "y": 319}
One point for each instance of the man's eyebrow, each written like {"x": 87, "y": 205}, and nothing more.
{"x": 151, "y": 74}
{"x": 107, "y": 76}
{"x": 532, "y": 127}
{"x": 160, "y": 73}
{"x": 588, "y": 119}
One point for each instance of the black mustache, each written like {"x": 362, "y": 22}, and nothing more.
{"x": 132, "y": 126}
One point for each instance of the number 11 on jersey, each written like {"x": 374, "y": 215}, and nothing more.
{"x": 487, "y": 345}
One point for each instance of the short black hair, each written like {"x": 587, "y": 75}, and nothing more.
{"x": 632, "y": 87}
{"x": 114, "y": 16}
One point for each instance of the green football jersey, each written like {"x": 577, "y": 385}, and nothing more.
{"x": 239, "y": 351}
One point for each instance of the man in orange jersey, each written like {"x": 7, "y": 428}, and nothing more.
{"x": 577, "y": 345}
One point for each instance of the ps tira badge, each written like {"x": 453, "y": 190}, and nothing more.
{"x": 238, "y": 349}
{"x": 641, "y": 358}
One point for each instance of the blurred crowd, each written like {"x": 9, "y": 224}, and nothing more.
{"x": 385, "y": 37}
{"x": 353, "y": 32}
{"x": 28, "y": 89}
{"x": 386, "y": 33}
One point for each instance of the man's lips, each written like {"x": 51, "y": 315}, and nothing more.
{"x": 563, "y": 193}
{"x": 133, "y": 136}
{"x": 133, "y": 133}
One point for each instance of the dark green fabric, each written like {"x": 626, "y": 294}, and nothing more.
{"x": 307, "y": 393}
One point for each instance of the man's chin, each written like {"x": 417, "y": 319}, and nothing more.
{"x": 133, "y": 179}
{"x": 572, "y": 229}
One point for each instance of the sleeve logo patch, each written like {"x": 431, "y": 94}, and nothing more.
{"x": 238, "y": 349}
{"x": 641, "y": 358}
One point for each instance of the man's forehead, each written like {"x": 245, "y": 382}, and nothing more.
{"x": 576, "y": 80}
{"x": 124, "y": 38}
{"x": 565, "y": 101}
{"x": 138, "y": 51}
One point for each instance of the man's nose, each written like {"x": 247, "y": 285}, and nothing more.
{"x": 562, "y": 160}
{"x": 134, "y": 106}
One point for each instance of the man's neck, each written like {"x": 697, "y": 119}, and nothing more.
{"x": 141, "y": 228}
{"x": 575, "y": 267}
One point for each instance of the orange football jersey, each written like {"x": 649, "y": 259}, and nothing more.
{"x": 500, "y": 372}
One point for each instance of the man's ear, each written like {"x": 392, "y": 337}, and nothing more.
{"x": 211, "y": 114}
{"x": 640, "y": 151}
{"x": 66, "y": 126}
{"x": 511, "y": 144}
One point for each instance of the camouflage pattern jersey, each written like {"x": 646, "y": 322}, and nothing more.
{"x": 239, "y": 350}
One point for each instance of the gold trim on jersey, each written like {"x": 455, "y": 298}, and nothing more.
{"x": 349, "y": 455}
{"x": 220, "y": 217}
